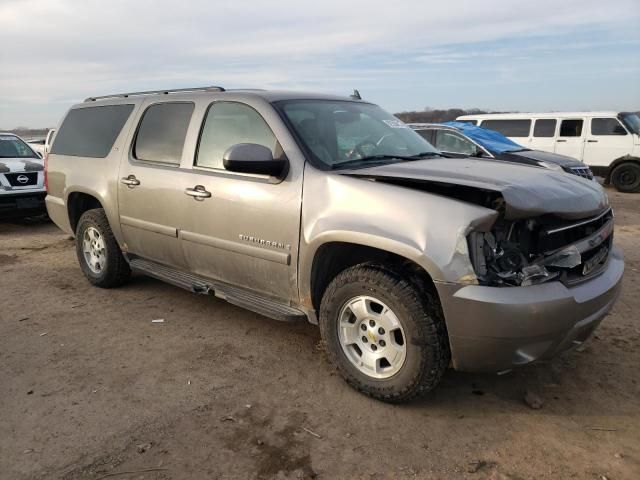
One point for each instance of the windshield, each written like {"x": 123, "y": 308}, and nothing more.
{"x": 343, "y": 133}
{"x": 631, "y": 121}
{"x": 13, "y": 147}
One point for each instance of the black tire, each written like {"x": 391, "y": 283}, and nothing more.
{"x": 419, "y": 312}
{"x": 115, "y": 270}
{"x": 626, "y": 177}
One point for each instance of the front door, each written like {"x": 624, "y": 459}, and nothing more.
{"x": 570, "y": 139}
{"x": 243, "y": 229}
{"x": 607, "y": 141}
{"x": 151, "y": 184}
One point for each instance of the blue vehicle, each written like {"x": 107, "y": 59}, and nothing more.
{"x": 461, "y": 139}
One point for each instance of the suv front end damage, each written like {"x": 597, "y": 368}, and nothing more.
{"x": 542, "y": 287}
{"x": 539, "y": 278}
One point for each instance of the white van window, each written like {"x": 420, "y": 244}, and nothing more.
{"x": 472, "y": 122}
{"x": 571, "y": 128}
{"x": 545, "y": 128}
{"x": 606, "y": 126}
{"x": 509, "y": 128}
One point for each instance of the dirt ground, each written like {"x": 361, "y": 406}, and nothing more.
{"x": 91, "y": 388}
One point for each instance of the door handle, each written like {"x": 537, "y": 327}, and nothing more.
{"x": 198, "y": 192}
{"x": 560, "y": 141}
{"x": 130, "y": 181}
{"x": 592, "y": 141}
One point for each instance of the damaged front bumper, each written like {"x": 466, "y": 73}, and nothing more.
{"x": 498, "y": 328}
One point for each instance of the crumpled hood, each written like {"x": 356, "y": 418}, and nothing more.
{"x": 527, "y": 191}
{"x": 18, "y": 165}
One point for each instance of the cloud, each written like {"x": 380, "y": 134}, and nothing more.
{"x": 64, "y": 50}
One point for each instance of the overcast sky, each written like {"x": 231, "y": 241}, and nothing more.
{"x": 403, "y": 55}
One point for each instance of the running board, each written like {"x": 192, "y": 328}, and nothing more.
{"x": 237, "y": 296}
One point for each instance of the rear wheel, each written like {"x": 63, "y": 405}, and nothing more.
{"x": 626, "y": 177}
{"x": 99, "y": 255}
{"x": 385, "y": 335}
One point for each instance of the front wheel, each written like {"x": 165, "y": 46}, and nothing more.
{"x": 99, "y": 255}
{"x": 626, "y": 177}
{"x": 385, "y": 335}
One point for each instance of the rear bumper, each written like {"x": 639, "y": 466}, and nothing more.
{"x": 22, "y": 204}
{"x": 497, "y": 329}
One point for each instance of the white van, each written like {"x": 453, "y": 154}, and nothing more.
{"x": 608, "y": 142}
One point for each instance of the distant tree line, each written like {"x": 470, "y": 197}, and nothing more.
{"x": 28, "y": 133}
{"x": 429, "y": 115}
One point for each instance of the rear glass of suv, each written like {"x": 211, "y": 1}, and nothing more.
{"x": 91, "y": 131}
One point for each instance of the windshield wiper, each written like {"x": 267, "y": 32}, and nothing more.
{"x": 422, "y": 155}
{"x": 372, "y": 159}
{"x": 375, "y": 159}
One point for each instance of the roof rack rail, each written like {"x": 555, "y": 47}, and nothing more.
{"x": 154, "y": 92}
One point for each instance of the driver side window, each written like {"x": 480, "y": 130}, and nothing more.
{"x": 453, "y": 143}
{"x": 230, "y": 123}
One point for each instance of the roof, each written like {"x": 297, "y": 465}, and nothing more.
{"x": 543, "y": 114}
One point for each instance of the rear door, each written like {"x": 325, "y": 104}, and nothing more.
{"x": 607, "y": 140}
{"x": 246, "y": 231}
{"x": 570, "y": 139}
{"x": 151, "y": 184}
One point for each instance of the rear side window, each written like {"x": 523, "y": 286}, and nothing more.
{"x": 91, "y": 131}
{"x": 453, "y": 143}
{"x": 606, "y": 126}
{"x": 162, "y": 133}
{"x": 571, "y": 128}
{"x": 544, "y": 128}
{"x": 509, "y": 128}
{"x": 472, "y": 122}
{"x": 228, "y": 124}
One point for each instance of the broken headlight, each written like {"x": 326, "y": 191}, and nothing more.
{"x": 508, "y": 256}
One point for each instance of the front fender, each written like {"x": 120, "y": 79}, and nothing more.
{"x": 425, "y": 228}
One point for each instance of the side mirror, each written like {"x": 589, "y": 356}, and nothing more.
{"x": 252, "y": 158}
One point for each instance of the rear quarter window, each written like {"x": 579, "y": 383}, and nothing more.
{"x": 509, "y": 128}
{"x": 91, "y": 131}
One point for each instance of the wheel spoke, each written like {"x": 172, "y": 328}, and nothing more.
{"x": 389, "y": 320}
{"x": 371, "y": 361}
{"x": 350, "y": 333}
{"x": 360, "y": 308}
{"x": 394, "y": 353}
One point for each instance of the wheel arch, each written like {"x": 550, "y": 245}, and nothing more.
{"x": 79, "y": 202}
{"x": 331, "y": 257}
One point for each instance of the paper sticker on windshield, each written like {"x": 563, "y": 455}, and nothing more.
{"x": 396, "y": 123}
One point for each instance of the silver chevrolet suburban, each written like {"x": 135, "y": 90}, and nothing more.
{"x": 303, "y": 206}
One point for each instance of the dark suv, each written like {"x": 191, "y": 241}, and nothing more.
{"x": 462, "y": 139}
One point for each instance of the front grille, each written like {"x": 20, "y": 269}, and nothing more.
{"x": 558, "y": 236}
{"x": 22, "y": 179}
{"x": 594, "y": 251}
{"x": 584, "y": 172}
